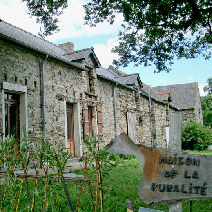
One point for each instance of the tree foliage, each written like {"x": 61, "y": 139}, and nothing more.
{"x": 196, "y": 136}
{"x": 46, "y": 13}
{"x": 206, "y": 102}
{"x": 208, "y": 88}
{"x": 157, "y": 32}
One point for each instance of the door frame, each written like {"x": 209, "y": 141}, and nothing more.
{"x": 77, "y": 126}
{"x": 70, "y": 140}
{"x": 22, "y": 91}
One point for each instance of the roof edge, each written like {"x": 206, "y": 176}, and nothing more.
{"x": 118, "y": 83}
{"x": 43, "y": 52}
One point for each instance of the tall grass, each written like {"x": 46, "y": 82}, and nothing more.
{"x": 120, "y": 182}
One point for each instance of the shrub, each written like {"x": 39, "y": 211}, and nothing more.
{"x": 196, "y": 136}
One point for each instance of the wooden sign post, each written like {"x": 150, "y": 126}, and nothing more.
{"x": 169, "y": 175}
{"x": 175, "y": 144}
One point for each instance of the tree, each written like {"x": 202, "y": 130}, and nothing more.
{"x": 196, "y": 136}
{"x": 206, "y": 102}
{"x": 157, "y": 32}
{"x": 208, "y": 88}
{"x": 46, "y": 13}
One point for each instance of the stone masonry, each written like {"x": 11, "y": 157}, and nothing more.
{"x": 79, "y": 83}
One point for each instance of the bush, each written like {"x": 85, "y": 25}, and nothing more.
{"x": 196, "y": 136}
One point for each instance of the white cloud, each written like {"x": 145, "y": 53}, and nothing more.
{"x": 71, "y": 22}
{"x": 104, "y": 54}
{"x": 15, "y": 12}
{"x": 202, "y": 93}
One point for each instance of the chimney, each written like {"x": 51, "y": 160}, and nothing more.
{"x": 68, "y": 46}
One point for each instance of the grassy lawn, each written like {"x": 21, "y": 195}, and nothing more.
{"x": 204, "y": 152}
{"x": 120, "y": 183}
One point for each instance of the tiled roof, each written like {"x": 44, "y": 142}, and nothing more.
{"x": 183, "y": 96}
{"x": 36, "y": 43}
{"x": 130, "y": 79}
{"x": 146, "y": 89}
{"x": 105, "y": 72}
{"x": 82, "y": 55}
{"x": 116, "y": 71}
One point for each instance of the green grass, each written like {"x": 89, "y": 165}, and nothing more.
{"x": 120, "y": 183}
{"x": 204, "y": 152}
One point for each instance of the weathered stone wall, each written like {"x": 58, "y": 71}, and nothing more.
{"x": 188, "y": 115}
{"x": 105, "y": 93}
{"x": 198, "y": 107}
{"x": 160, "y": 121}
{"x": 63, "y": 83}
{"x": 125, "y": 102}
{"x": 19, "y": 66}
{"x": 194, "y": 114}
{"x": 144, "y": 132}
{"x": 129, "y": 100}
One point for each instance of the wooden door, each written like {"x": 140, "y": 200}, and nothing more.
{"x": 70, "y": 127}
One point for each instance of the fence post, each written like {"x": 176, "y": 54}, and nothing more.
{"x": 175, "y": 144}
{"x": 129, "y": 205}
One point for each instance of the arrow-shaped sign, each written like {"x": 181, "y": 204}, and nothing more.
{"x": 167, "y": 176}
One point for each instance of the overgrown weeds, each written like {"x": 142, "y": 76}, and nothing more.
{"x": 42, "y": 191}
{"x": 108, "y": 180}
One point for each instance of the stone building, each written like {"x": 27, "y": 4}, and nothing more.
{"x": 185, "y": 97}
{"x": 64, "y": 94}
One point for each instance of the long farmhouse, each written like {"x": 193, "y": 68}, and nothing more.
{"x": 64, "y": 94}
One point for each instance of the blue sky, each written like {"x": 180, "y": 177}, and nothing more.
{"x": 103, "y": 38}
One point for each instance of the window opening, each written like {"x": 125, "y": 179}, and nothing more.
{"x": 12, "y": 125}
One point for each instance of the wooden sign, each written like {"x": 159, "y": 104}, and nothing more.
{"x": 167, "y": 176}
